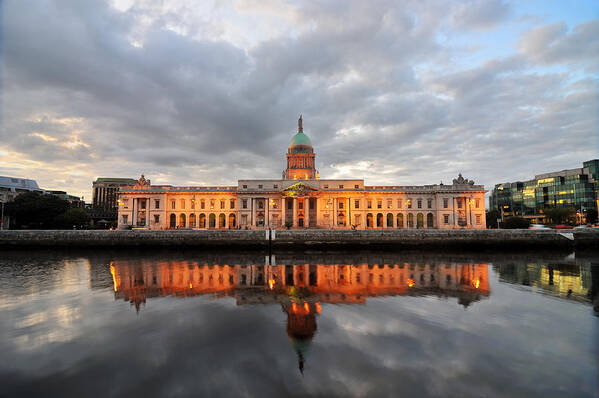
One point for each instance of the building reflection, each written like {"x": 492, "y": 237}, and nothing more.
{"x": 300, "y": 289}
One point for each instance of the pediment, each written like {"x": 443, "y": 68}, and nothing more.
{"x": 298, "y": 189}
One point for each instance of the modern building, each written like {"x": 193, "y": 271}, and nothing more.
{"x": 575, "y": 188}
{"x": 104, "y": 198}
{"x": 10, "y": 187}
{"x": 302, "y": 200}
{"x": 74, "y": 201}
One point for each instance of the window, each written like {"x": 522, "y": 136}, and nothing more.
{"x": 259, "y": 186}
{"x": 173, "y": 204}
{"x": 369, "y": 204}
{"x": 156, "y": 219}
{"x": 478, "y": 219}
{"x": 193, "y": 203}
{"x": 429, "y": 203}
{"x": 300, "y": 205}
{"x": 409, "y": 203}
{"x": 244, "y": 186}
{"x": 203, "y": 204}
{"x": 357, "y": 186}
{"x": 232, "y": 203}
{"x": 290, "y": 205}
{"x": 389, "y": 203}
{"x": 326, "y": 186}
{"x": 445, "y": 203}
{"x": 275, "y": 203}
{"x": 211, "y": 204}
{"x": 420, "y": 203}
{"x": 477, "y": 203}
{"x": 126, "y": 203}
{"x": 260, "y": 204}
{"x": 125, "y": 219}
{"x": 340, "y": 186}
{"x": 459, "y": 204}
{"x": 222, "y": 203}
{"x": 446, "y": 218}
{"x": 399, "y": 203}
{"x": 340, "y": 205}
{"x": 182, "y": 203}
{"x": 156, "y": 204}
{"x": 142, "y": 204}
{"x": 311, "y": 202}
{"x": 356, "y": 204}
{"x": 244, "y": 204}
{"x": 379, "y": 204}
{"x": 275, "y": 186}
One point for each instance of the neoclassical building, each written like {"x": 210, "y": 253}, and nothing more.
{"x": 300, "y": 199}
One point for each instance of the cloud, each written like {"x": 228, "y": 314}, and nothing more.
{"x": 210, "y": 94}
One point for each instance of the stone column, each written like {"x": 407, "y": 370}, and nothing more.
{"x": 453, "y": 209}
{"x": 267, "y": 218}
{"x": 294, "y": 212}
{"x": 348, "y": 222}
{"x": 334, "y": 212}
{"x": 283, "y": 209}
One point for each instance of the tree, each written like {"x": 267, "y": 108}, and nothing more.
{"x": 591, "y": 215}
{"x": 75, "y": 217}
{"x": 515, "y": 223}
{"x": 492, "y": 216}
{"x": 560, "y": 215}
{"x": 32, "y": 210}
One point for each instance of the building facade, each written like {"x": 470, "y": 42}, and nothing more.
{"x": 575, "y": 188}
{"x": 300, "y": 199}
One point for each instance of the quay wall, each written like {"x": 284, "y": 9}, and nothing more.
{"x": 308, "y": 239}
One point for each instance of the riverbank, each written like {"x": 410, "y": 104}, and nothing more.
{"x": 308, "y": 239}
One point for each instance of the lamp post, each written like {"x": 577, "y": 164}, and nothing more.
{"x": 2, "y": 217}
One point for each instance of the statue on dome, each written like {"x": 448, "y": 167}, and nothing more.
{"x": 300, "y": 126}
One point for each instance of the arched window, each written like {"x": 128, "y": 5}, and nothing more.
{"x": 369, "y": 220}
{"x": 202, "y": 223}
{"x": 212, "y": 221}
{"x": 222, "y": 223}
{"x": 420, "y": 220}
{"x": 379, "y": 220}
{"x": 389, "y": 220}
{"x": 192, "y": 220}
{"x": 182, "y": 221}
{"x": 232, "y": 221}
{"x": 410, "y": 220}
{"x": 429, "y": 220}
{"x": 173, "y": 223}
{"x": 399, "y": 220}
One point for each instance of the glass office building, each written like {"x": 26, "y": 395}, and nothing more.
{"x": 575, "y": 188}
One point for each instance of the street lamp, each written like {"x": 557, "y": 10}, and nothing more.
{"x": 2, "y": 217}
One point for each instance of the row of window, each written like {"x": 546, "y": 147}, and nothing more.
{"x": 275, "y": 204}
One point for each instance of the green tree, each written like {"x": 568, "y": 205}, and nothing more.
{"x": 492, "y": 216}
{"x": 560, "y": 215}
{"x": 32, "y": 210}
{"x": 75, "y": 217}
{"x": 515, "y": 223}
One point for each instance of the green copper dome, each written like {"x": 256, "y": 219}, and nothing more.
{"x": 300, "y": 139}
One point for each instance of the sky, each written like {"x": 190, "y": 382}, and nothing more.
{"x": 206, "y": 93}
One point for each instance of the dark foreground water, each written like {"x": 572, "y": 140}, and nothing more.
{"x": 366, "y": 324}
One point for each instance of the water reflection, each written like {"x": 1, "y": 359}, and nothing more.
{"x": 301, "y": 290}
{"x": 356, "y": 324}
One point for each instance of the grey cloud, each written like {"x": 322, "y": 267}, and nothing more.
{"x": 554, "y": 44}
{"x": 199, "y": 108}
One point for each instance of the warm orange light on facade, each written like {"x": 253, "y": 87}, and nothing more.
{"x": 306, "y": 307}
{"x": 410, "y": 282}
{"x": 476, "y": 283}
{"x": 318, "y": 307}
{"x": 271, "y": 283}
{"x": 112, "y": 272}
{"x": 190, "y": 285}
{"x": 294, "y": 307}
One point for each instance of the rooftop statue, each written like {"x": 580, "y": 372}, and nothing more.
{"x": 462, "y": 181}
{"x": 300, "y": 125}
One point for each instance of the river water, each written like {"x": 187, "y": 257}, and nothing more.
{"x": 157, "y": 323}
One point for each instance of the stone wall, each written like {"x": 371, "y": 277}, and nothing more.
{"x": 306, "y": 239}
